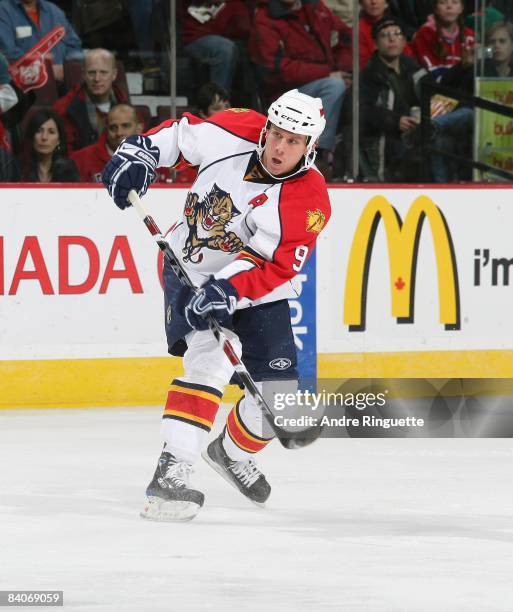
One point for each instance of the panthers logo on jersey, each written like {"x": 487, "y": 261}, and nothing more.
{"x": 207, "y": 220}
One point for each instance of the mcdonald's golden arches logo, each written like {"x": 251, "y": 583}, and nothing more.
{"x": 402, "y": 242}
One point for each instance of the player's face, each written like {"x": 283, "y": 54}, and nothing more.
{"x": 502, "y": 45}
{"x": 46, "y": 139}
{"x": 99, "y": 74}
{"x": 121, "y": 122}
{"x": 283, "y": 150}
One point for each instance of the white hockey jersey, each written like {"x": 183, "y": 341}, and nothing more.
{"x": 239, "y": 223}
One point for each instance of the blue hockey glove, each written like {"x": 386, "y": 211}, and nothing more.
{"x": 131, "y": 167}
{"x": 217, "y": 298}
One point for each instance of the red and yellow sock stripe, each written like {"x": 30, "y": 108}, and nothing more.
{"x": 240, "y": 434}
{"x": 192, "y": 403}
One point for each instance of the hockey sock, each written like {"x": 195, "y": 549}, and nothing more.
{"x": 188, "y": 416}
{"x": 240, "y": 440}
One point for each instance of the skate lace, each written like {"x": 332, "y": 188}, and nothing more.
{"x": 246, "y": 472}
{"x": 177, "y": 474}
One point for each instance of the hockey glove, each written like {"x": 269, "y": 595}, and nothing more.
{"x": 131, "y": 167}
{"x": 217, "y": 298}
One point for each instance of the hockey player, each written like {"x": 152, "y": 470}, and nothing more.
{"x": 250, "y": 221}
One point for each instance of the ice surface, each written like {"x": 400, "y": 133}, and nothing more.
{"x": 365, "y": 525}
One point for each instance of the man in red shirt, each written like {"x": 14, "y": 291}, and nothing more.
{"x": 122, "y": 121}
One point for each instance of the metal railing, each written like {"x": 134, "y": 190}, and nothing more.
{"x": 427, "y": 92}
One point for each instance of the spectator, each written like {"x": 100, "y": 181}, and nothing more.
{"x": 500, "y": 38}
{"x": 85, "y": 107}
{"x": 44, "y": 159}
{"x": 443, "y": 41}
{"x": 389, "y": 90}
{"x": 24, "y": 22}
{"x": 302, "y": 44}
{"x": 210, "y": 29}
{"x": 446, "y": 48}
{"x": 371, "y": 12}
{"x": 122, "y": 121}
{"x": 210, "y": 99}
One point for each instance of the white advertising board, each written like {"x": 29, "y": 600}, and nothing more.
{"x": 410, "y": 282}
{"x": 78, "y": 277}
{"x": 476, "y": 288}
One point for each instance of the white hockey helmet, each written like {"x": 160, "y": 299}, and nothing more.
{"x": 298, "y": 113}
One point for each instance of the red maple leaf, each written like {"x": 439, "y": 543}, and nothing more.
{"x": 400, "y": 284}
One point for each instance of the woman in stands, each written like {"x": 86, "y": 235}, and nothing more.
{"x": 444, "y": 41}
{"x": 45, "y": 157}
{"x": 500, "y": 38}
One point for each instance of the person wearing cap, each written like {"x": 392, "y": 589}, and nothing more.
{"x": 390, "y": 88}
{"x": 371, "y": 12}
{"x": 250, "y": 221}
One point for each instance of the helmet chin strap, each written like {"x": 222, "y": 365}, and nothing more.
{"x": 308, "y": 158}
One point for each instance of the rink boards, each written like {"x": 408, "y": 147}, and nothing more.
{"x": 410, "y": 282}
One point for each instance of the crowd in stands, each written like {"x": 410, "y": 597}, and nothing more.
{"x": 65, "y": 105}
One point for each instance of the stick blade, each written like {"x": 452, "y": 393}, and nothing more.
{"x": 302, "y": 439}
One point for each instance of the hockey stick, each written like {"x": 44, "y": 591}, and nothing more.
{"x": 305, "y": 437}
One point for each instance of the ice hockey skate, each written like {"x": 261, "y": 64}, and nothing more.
{"x": 169, "y": 495}
{"x": 243, "y": 475}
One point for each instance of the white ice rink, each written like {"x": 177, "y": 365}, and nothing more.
{"x": 352, "y": 525}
